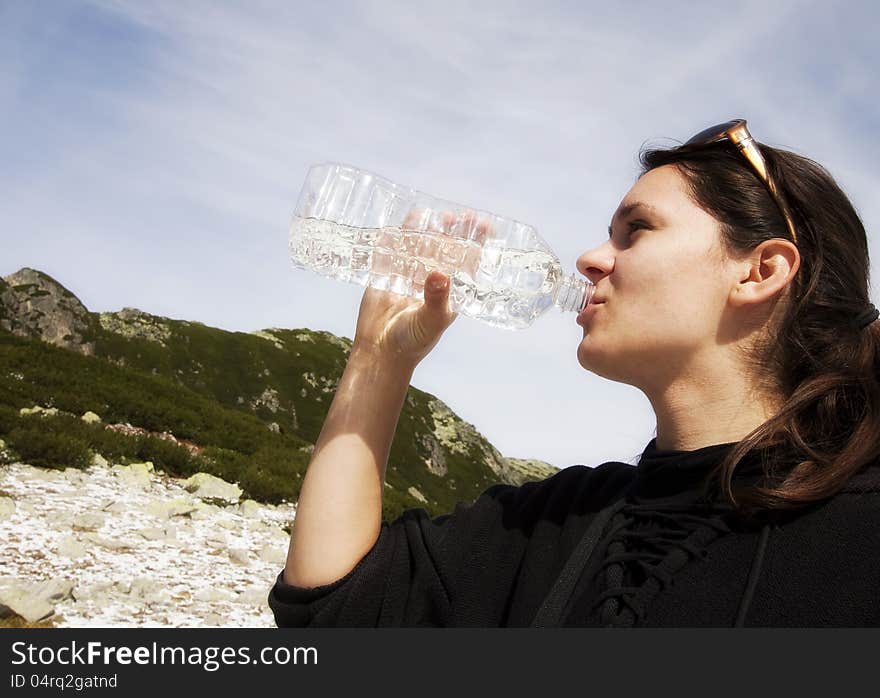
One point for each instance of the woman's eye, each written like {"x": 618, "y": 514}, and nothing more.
{"x": 632, "y": 226}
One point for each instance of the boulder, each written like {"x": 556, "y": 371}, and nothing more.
{"x": 17, "y": 602}
{"x": 273, "y": 554}
{"x": 54, "y": 590}
{"x": 99, "y": 461}
{"x": 255, "y": 595}
{"x": 210, "y": 595}
{"x": 7, "y": 507}
{"x": 88, "y": 521}
{"x": 136, "y": 476}
{"x": 112, "y": 544}
{"x": 32, "y": 601}
{"x": 249, "y": 509}
{"x": 70, "y": 547}
{"x": 416, "y": 494}
{"x": 42, "y": 411}
{"x": 239, "y": 556}
{"x": 90, "y": 418}
{"x": 208, "y": 486}
{"x": 152, "y": 533}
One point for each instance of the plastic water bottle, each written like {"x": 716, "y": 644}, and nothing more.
{"x": 356, "y": 226}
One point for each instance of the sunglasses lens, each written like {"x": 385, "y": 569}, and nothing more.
{"x": 713, "y": 133}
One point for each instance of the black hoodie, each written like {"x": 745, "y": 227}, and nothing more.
{"x": 614, "y": 545}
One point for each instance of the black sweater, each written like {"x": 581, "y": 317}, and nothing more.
{"x": 614, "y": 545}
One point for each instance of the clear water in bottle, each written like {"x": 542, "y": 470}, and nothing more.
{"x": 501, "y": 286}
{"x": 501, "y": 272}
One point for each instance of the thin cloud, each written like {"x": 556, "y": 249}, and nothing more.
{"x": 159, "y": 166}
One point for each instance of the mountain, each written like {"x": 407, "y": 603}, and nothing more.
{"x": 250, "y": 405}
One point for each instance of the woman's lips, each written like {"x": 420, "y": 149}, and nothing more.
{"x": 589, "y": 310}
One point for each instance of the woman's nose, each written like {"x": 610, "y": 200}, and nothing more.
{"x": 596, "y": 263}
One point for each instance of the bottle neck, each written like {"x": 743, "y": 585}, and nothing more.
{"x": 573, "y": 294}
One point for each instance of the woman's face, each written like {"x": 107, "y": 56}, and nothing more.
{"x": 663, "y": 280}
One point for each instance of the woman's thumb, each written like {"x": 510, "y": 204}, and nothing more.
{"x": 437, "y": 296}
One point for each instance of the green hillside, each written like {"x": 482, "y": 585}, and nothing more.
{"x": 255, "y": 402}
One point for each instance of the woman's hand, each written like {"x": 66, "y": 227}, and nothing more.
{"x": 401, "y": 329}
{"x": 404, "y": 330}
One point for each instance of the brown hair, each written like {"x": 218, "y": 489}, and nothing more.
{"x": 826, "y": 369}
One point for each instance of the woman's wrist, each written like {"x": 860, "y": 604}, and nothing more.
{"x": 375, "y": 360}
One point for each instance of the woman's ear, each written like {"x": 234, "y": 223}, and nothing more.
{"x": 765, "y": 272}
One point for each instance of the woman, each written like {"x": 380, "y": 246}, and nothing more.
{"x": 733, "y": 291}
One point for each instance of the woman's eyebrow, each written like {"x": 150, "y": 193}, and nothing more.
{"x": 624, "y": 211}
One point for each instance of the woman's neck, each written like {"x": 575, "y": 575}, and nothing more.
{"x": 720, "y": 407}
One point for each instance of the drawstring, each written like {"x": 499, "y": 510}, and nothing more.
{"x": 754, "y": 573}
{"x": 662, "y": 539}
{"x": 671, "y": 539}
{"x": 550, "y": 613}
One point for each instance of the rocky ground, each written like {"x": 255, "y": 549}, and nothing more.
{"x": 124, "y": 546}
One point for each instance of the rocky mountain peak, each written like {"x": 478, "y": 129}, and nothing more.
{"x": 33, "y": 304}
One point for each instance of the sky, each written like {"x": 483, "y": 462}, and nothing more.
{"x": 151, "y": 154}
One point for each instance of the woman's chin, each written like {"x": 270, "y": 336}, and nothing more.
{"x": 601, "y": 361}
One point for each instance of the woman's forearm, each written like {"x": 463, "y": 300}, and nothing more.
{"x": 339, "y": 512}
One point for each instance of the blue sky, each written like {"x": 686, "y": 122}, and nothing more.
{"x": 152, "y": 153}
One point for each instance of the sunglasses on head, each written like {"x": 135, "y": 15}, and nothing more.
{"x": 736, "y": 132}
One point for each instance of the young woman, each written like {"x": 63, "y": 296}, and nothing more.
{"x": 733, "y": 291}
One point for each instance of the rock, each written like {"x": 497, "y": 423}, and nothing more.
{"x": 7, "y": 507}
{"x": 69, "y": 546}
{"x": 147, "y": 589}
{"x": 90, "y": 418}
{"x": 54, "y": 590}
{"x": 416, "y": 494}
{"x": 255, "y": 595}
{"x": 16, "y": 602}
{"x": 88, "y": 521}
{"x": 278, "y": 534}
{"x": 204, "y": 511}
{"x": 134, "y": 477}
{"x": 32, "y": 601}
{"x": 59, "y": 520}
{"x": 171, "y": 533}
{"x": 134, "y": 323}
{"x": 273, "y": 554}
{"x": 215, "y": 620}
{"x": 113, "y": 544}
{"x": 170, "y": 509}
{"x": 228, "y": 525}
{"x": 216, "y": 539}
{"x": 152, "y": 533}
{"x": 239, "y": 556}
{"x": 211, "y": 595}
{"x": 42, "y": 411}
{"x": 93, "y": 592}
{"x": 99, "y": 461}
{"x": 36, "y": 305}
{"x": 33, "y": 474}
{"x": 208, "y": 486}
{"x": 249, "y": 509}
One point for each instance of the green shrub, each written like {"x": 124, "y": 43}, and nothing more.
{"x": 223, "y": 462}
{"x": 115, "y": 447}
{"x": 274, "y": 474}
{"x": 8, "y": 419}
{"x": 166, "y": 455}
{"x": 47, "y": 449}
